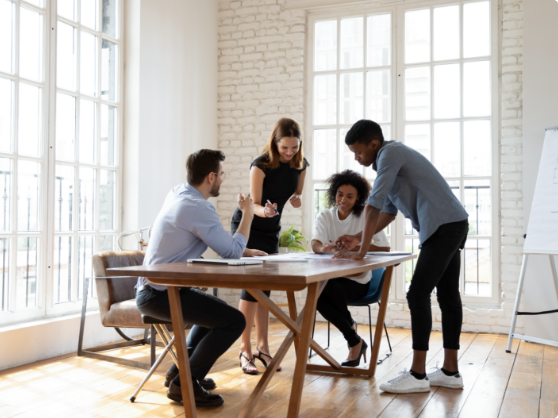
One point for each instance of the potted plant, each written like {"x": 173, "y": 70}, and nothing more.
{"x": 291, "y": 240}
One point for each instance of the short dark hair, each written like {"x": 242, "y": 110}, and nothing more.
{"x": 201, "y": 163}
{"x": 364, "y": 132}
{"x": 351, "y": 178}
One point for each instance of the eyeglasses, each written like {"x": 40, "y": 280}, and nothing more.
{"x": 223, "y": 175}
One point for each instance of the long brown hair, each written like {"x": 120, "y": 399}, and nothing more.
{"x": 284, "y": 127}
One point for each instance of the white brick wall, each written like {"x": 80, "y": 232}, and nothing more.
{"x": 261, "y": 73}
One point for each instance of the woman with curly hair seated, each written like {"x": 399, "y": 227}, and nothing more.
{"x": 346, "y": 196}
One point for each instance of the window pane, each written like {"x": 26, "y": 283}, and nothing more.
{"x": 412, "y": 246}
{"x": 478, "y": 268}
{"x": 89, "y": 9}
{"x": 107, "y": 200}
{"x": 30, "y": 120}
{"x": 66, "y": 57}
{"x": 7, "y": 25}
{"x": 476, "y": 89}
{"x": 417, "y": 93}
{"x": 110, "y": 18}
{"x": 325, "y": 99}
{"x": 352, "y": 42}
{"x": 379, "y": 40}
{"x": 31, "y": 45}
{"x": 478, "y": 205}
{"x": 64, "y": 195}
{"x": 106, "y": 243}
{"x": 6, "y": 173}
{"x": 88, "y": 64}
{"x": 447, "y": 96}
{"x": 65, "y": 127}
{"x": 28, "y": 194}
{"x": 67, "y": 9}
{"x": 447, "y": 148}
{"x": 108, "y": 135}
{"x": 4, "y": 273}
{"x": 87, "y": 112}
{"x": 86, "y": 199}
{"x": 325, "y": 152}
{"x": 62, "y": 274}
{"x": 454, "y": 186}
{"x": 418, "y": 138}
{"x": 352, "y": 100}
{"x": 476, "y": 29}
{"x": 6, "y": 114}
{"x": 446, "y": 33}
{"x": 478, "y": 145}
{"x": 346, "y": 157}
{"x": 320, "y": 198}
{"x": 38, "y": 3}
{"x": 26, "y": 272}
{"x": 378, "y": 86}
{"x": 417, "y": 36}
{"x": 325, "y": 46}
{"x": 85, "y": 268}
{"x": 109, "y": 63}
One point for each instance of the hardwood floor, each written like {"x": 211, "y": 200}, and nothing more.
{"x": 497, "y": 384}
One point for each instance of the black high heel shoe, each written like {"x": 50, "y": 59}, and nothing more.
{"x": 250, "y": 363}
{"x": 356, "y": 362}
{"x": 259, "y": 357}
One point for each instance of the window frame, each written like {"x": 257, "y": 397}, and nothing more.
{"x": 45, "y": 285}
{"x": 397, "y": 124}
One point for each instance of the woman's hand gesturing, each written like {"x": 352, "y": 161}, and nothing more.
{"x": 296, "y": 201}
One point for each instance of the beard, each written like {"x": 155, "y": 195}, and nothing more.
{"x": 214, "y": 192}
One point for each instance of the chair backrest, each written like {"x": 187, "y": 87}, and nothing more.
{"x": 111, "y": 290}
{"x": 374, "y": 289}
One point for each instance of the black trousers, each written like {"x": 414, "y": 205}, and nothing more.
{"x": 438, "y": 266}
{"x": 216, "y": 325}
{"x": 333, "y": 301}
{"x": 245, "y": 295}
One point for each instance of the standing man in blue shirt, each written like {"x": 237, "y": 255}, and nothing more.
{"x": 408, "y": 182}
{"x": 185, "y": 227}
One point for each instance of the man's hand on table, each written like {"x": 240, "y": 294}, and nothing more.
{"x": 253, "y": 253}
{"x": 348, "y": 256}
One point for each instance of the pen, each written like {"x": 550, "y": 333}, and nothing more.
{"x": 272, "y": 206}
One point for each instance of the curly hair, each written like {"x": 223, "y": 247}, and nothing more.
{"x": 352, "y": 178}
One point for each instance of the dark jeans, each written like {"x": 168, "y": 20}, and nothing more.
{"x": 438, "y": 266}
{"x": 333, "y": 301}
{"x": 249, "y": 298}
{"x": 216, "y": 325}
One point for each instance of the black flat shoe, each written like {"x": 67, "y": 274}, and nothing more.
{"x": 202, "y": 397}
{"x": 259, "y": 357}
{"x": 206, "y": 383}
{"x": 356, "y": 362}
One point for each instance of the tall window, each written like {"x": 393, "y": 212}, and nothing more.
{"x": 59, "y": 144}
{"x": 427, "y": 76}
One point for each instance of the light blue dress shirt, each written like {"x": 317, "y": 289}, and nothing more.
{"x": 186, "y": 225}
{"x": 408, "y": 182}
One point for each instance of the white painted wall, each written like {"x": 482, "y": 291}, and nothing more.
{"x": 170, "y": 96}
{"x": 540, "y": 107}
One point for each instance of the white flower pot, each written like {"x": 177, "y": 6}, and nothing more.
{"x": 283, "y": 250}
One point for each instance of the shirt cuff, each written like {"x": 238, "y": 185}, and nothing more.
{"x": 376, "y": 202}
{"x": 239, "y": 237}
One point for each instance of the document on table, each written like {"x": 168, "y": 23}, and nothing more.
{"x": 391, "y": 253}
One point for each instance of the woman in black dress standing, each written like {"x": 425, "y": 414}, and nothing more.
{"x": 276, "y": 176}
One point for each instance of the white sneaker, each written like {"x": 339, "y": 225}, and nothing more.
{"x": 406, "y": 383}
{"x": 439, "y": 378}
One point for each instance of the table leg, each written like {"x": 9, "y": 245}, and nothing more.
{"x": 182, "y": 352}
{"x": 380, "y": 322}
{"x": 302, "y": 350}
{"x": 292, "y": 312}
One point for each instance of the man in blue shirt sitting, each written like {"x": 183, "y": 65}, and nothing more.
{"x": 185, "y": 227}
{"x": 408, "y": 182}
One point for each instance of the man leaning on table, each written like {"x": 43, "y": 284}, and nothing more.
{"x": 408, "y": 182}
{"x": 186, "y": 225}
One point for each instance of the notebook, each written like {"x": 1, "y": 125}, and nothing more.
{"x": 229, "y": 262}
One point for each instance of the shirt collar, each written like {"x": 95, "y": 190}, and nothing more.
{"x": 189, "y": 189}
{"x": 375, "y": 163}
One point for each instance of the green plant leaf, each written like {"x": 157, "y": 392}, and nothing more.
{"x": 297, "y": 247}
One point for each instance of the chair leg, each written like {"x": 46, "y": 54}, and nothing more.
{"x": 82, "y": 322}
{"x": 153, "y": 342}
{"x": 370, "y": 328}
{"x": 389, "y": 343}
{"x": 153, "y": 368}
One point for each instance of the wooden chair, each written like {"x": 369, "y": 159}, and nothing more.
{"x": 117, "y": 306}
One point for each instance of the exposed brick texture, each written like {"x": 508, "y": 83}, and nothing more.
{"x": 261, "y": 78}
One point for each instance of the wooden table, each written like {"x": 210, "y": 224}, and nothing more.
{"x": 286, "y": 276}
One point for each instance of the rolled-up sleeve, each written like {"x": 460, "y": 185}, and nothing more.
{"x": 389, "y": 164}
{"x": 210, "y": 231}
{"x": 389, "y": 207}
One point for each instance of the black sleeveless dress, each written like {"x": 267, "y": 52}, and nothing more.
{"x": 278, "y": 186}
